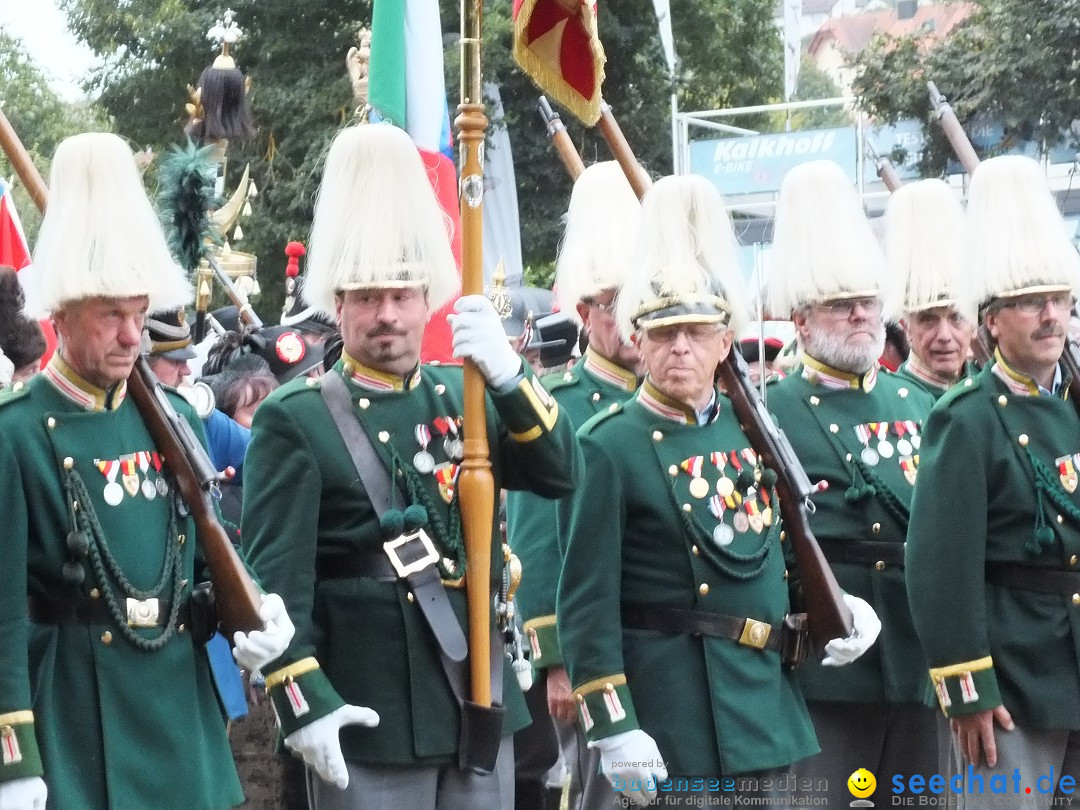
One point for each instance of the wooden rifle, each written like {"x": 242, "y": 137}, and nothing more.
{"x": 965, "y": 153}
{"x": 884, "y": 167}
{"x": 235, "y": 592}
{"x": 828, "y": 617}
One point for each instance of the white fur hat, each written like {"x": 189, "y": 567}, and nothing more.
{"x": 926, "y": 246}
{"x": 1018, "y": 240}
{"x": 601, "y": 226}
{"x": 823, "y": 246}
{"x": 100, "y": 235}
{"x": 377, "y": 221}
{"x": 686, "y": 260}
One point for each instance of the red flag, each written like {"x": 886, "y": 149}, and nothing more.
{"x": 556, "y": 44}
{"x": 14, "y": 252}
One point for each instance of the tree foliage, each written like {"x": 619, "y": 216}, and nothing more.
{"x": 1014, "y": 61}
{"x": 40, "y": 118}
{"x": 294, "y": 53}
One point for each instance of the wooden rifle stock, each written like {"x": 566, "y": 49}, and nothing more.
{"x": 569, "y": 156}
{"x": 235, "y": 593}
{"x": 950, "y": 125}
{"x": 827, "y": 615}
{"x": 237, "y": 596}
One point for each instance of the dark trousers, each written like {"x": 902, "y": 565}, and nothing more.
{"x": 536, "y": 750}
{"x": 884, "y": 738}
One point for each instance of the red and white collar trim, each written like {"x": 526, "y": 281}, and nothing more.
{"x": 828, "y": 377}
{"x": 652, "y": 399}
{"x": 84, "y": 394}
{"x": 607, "y": 371}
{"x": 920, "y": 372}
{"x": 375, "y": 380}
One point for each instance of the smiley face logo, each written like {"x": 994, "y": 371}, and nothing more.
{"x": 861, "y": 783}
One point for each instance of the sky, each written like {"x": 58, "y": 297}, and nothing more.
{"x": 43, "y": 29}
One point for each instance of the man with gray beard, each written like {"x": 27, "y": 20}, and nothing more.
{"x": 856, "y": 428}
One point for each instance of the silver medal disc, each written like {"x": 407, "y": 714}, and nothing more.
{"x": 741, "y": 521}
{"x": 904, "y": 448}
{"x": 424, "y": 462}
{"x": 162, "y": 487}
{"x": 723, "y": 534}
{"x": 149, "y": 491}
{"x": 454, "y": 449}
{"x": 869, "y": 456}
{"x": 114, "y": 493}
{"x": 916, "y": 441}
{"x": 885, "y": 450}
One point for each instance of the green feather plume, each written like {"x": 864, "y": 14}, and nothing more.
{"x": 185, "y": 197}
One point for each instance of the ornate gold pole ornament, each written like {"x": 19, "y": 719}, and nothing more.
{"x": 476, "y": 484}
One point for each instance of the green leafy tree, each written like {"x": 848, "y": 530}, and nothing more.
{"x": 1012, "y": 60}
{"x": 39, "y": 117}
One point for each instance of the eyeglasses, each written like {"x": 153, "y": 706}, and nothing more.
{"x": 1034, "y": 304}
{"x": 698, "y": 332}
{"x": 607, "y": 309}
{"x": 845, "y": 307}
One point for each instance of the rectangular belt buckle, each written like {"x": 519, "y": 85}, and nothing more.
{"x": 755, "y": 634}
{"x": 404, "y": 569}
{"x": 142, "y": 612}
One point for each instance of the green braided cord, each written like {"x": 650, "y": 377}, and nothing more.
{"x": 105, "y": 564}
{"x": 889, "y": 499}
{"x": 702, "y": 538}
{"x": 1047, "y": 483}
{"x": 448, "y": 537}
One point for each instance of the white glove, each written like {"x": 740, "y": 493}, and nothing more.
{"x": 23, "y": 794}
{"x": 479, "y": 336}
{"x": 866, "y": 626}
{"x": 632, "y": 763}
{"x": 318, "y": 744}
{"x": 258, "y": 648}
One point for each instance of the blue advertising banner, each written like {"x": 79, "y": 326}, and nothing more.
{"x": 758, "y": 163}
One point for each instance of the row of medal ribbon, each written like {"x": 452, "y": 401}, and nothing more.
{"x": 752, "y": 510}
{"x": 875, "y": 439}
{"x": 129, "y": 467}
{"x": 424, "y": 463}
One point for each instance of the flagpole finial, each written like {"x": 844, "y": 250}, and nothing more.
{"x": 358, "y": 66}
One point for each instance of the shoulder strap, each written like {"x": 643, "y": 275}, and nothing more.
{"x": 373, "y": 473}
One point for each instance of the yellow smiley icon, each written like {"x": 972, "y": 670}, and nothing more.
{"x": 861, "y": 783}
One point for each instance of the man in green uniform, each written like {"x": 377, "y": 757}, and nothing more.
{"x": 106, "y": 698}
{"x": 925, "y": 247}
{"x": 674, "y": 584}
{"x": 601, "y": 227}
{"x": 857, "y": 429}
{"x": 380, "y": 648}
{"x": 995, "y": 594}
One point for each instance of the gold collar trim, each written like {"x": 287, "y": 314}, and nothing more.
{"x": 819, "y": 373}
{"x": 607, "y": 370}
{"x": 376, "y": 380}
{"x": 84, "y": 394}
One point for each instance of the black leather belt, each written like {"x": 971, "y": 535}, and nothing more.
{"x": 141, "y": 613}
{"x": 413, "y": 558}
{"x": 748, "y": 632}
{"x": 1028, "y": 578}
{"x": 862, "y": 552}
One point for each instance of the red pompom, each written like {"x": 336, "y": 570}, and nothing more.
{"x": 294, "y": 250}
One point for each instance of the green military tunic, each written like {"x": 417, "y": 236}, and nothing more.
{"x": 589, "y": 388}
{"x": 998, "y": 486}
{"x": 915, "y": 372}
{"x": 641, "y": 531}
{"x": 834, "y": 420}
{"x": 108, "y": 724}
{"x": 303, "y": 502}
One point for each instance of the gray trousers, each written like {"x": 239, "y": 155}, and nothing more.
{"x": 1027, "y": 758}
{"x": 884, "y": 738}
{"x": 446, "y": 787}
{"x": 589, "y": 789}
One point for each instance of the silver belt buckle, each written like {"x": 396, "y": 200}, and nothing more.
{"x": 142, "y": 612}
{"x": 404, "y": 569}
